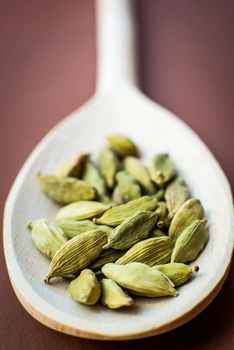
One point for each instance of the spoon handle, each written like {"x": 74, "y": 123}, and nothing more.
{"x": 116, "y": 44}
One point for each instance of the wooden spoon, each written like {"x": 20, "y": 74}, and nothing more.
{"x": 117, "y": 107}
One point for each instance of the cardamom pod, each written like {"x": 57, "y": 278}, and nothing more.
{"x": 187, "y": 213}
{"x": 76, "y": 254}
{"x": 162, "y": 169}
{"x": 65, "y": 190}
{"x": 73, "y": 228}
{"x": 191, "y": 242}
{"x": 162, "y": 212}
{"x": 85, "y": 288}
{"x": 108, "y": 164}
{"x": 122, "y": 145}
{"x": 107, "y": 256}
{"x": 46, "y": 236}
{"x": 151, "y": 251}
{"x": 81, "y": 210}
{"x": 92, "y": 177}
{"x": 137, "y": 169}
{"x": 113, "y": 295}
{"x": 74, "y": 167}
{"x": 132, "y": 230}
{"x": 127, "y": 186}
{"x": 175, "y": 195}
{"x": 157, "y": 233}
{"x": 117, "y": 196}
{"x": 140, "y": 279}
{"x": 178, "y": 273}
{"x": 115, "y": 216}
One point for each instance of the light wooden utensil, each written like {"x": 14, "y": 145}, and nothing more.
{"x": 117, "y": 107}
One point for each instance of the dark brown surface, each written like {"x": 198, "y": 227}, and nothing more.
{"x": 47, "y": 69}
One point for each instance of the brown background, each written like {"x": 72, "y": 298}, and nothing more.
{"x": 47, "y": 69}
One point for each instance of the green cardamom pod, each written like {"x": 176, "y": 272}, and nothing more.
{"x": 175, "y": 195}
{"x": 74, "y": 167}
{"x": 151, "y": 251}
{"x": 178, "y": 273}
{"x": 162, "y": 169}
{"x": 107, "y": 256}
{"x": 132, "y": 230}
{"x": 92, "y": 177}
{"x": 122, "y": 145}
{"x": 157, "y": 233}
{"x": 162, "y": 212}
{"x": 76, "y": 254}
{"x": 85, "y": 288}
{"x": 109, "y": 165}
{"x": 187, "y": 213}
{"x": 140, "y": 279}
{"x": 127, "y": 186}
{"x": 73, "y": 228}
{"x": 115, "y": 216}
{"x": 137, "y": 169}
{"x": 113, "y": 295}
{"x": 117, "y": 196}
{"x": 191, "y": 242}
{"x": 65, "y": 190}
{"x": 46, "y": 236}
{"x": 81, "y": 210}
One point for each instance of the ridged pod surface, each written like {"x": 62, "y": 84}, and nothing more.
{"x": 151, "y": 251}
{"x": 178, "y": 273}
{"x": 140, "y": 279}
{"x": 76, "y": 254}
{"x": 191, "y": 242}
{"x": 115, "y": 216}
{"x": 132, "y": 230}
{"x": 188, "y": 212}
{"x": 64, "y": 189}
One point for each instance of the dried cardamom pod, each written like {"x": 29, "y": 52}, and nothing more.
{"x": 113, "y": 295}
{"x": 74, "y": 167}
{"x": 162, "y": 169}
{"x": 122, "y": 145}
{"x": 140, "y": 279}
{"x": 109, "y": 165}
{"x": 127, "y": 186}
{"x": 187, "y": 213}
{"x": 157, "y": 233}
{"x": 85, "y": 288}
{"x": 175, "y": 195}
{"x": 76, "y": 254}
{"x": 93, "y": 178}
{"x": 46, "y": 236}
{"x": 73, "y": 228}
{"x": 117, "y": 196}
{"x": 132, "y": 230}
{"x": 178, "y": 273}
{"x": 107, "y": 256}
{"x": 137, "y": 169}
{"x": 162, "y": 212}
{"x": 65, "y": 190}
{"x": 81, "y": 210}
{"x": 115, "y": 216}
{"x": 151, "y": 251}
{"x": 191, "y": 242}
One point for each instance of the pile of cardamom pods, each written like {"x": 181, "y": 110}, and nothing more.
{"x": 124, "y": 229}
